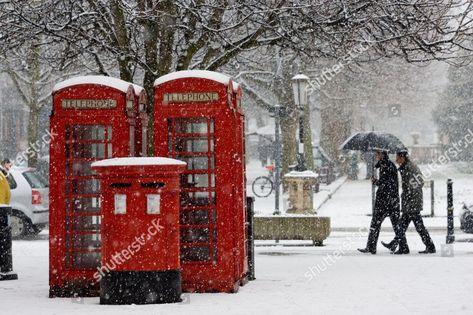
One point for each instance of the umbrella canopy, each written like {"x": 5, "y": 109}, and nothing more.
{"x": 372, "y": 141}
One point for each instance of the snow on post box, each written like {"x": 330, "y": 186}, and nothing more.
{"x": 197, "y": 120}
{"x": 140, "y": 230}
{"x": 91, "y": 120}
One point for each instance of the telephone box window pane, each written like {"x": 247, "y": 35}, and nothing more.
{"x": 198, "y": 198}
{"x": 109, "y": 151}
{"x": 109, "y": 133}
{"x": 153, "y": 204}
{"x": 83, "y": 223}
{"x": 197, "y": 125}
{"x": 195, "y": 253}
{"x": 89, "y": 150}
{"x": 195, "y": 217}
{"x": 198, "y": 180}
{"x": 194, "y": 235}
{"x": 88, "y": 186}
{"x": 120, "y": 204}
{"x": 83, "y": 241}
{"x": 80, "y": 205}
{"x": 85, "y": 260}
{"x": 89, "y": 132}
{"x": 82, "y": 168}
{"x": 195, "y": 163}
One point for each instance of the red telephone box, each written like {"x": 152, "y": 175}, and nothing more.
{"x": 92, "y": 119}
{"x": 140, "y": 230}
{"x": 141, "y": 125}
{"x": 196, "y": 121}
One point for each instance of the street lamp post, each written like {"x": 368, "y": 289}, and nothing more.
{"x": 299, "y": 87}
{"x": 277, "y": 112}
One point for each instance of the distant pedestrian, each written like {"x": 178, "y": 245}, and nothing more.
{"x": 353, "y": 167}
{"x": 369, "y": 159}
{"x": 411, "y": 206}
{"x": 5, "y": 193}
{"x": 387, "y": 200}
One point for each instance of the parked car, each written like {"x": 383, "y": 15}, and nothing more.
{"x": 29, "y": 201}
{"x": 466, "y": 218}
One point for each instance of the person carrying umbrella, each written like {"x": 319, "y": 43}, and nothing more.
{"x": 387, "y": 200}
{"x": 412, "y": 204}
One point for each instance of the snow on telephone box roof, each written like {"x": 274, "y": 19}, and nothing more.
{"x": 202, "y": 74}
{"x": 137, "y": 161}
{"x": 112, "y": 82}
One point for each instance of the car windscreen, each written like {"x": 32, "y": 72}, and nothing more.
{"x": 35, "y": 179}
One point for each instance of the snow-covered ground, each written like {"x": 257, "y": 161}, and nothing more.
{"x": 295, "y": 278}
{"x": 291, "y": 279}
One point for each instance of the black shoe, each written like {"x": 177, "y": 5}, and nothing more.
{"x": 428, "y": 251}
{"x": 402, "y": 251}
{"x": 367, "y": 250}
{"x": 391, "y": 246}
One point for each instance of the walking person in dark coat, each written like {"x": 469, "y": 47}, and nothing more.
{"x": 412, "y": 204}
{"x": 387, "y": 200}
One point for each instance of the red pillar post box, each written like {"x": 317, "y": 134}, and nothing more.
{"x": 195, "y": 120}
{"x": 140, "y": 230}
{"x": 91, "y": 120}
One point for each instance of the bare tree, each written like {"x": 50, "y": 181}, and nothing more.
{"x": 149, "y": 38}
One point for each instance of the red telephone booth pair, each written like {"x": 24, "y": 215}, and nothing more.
{"x": 93, "y": 118}
{"x": 198, "y": 119}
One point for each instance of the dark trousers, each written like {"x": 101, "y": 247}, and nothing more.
{"x": 375, "y": 227}
{"x": 406, "y": 219}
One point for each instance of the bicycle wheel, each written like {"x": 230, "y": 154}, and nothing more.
{"x": 262, "y": 186}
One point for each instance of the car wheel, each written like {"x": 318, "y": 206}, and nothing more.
{"x": 19, "y": 224}
{"x": 35, "y": 229}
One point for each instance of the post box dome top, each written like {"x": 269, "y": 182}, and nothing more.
{"x": 112, "y": 82}
{"x": 203, "y": 74}
{"x": 137, "y": 161}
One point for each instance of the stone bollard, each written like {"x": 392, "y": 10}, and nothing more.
{"x": 301, "y": 194}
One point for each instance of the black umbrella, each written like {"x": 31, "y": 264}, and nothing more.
{"x": 372, "y": 141}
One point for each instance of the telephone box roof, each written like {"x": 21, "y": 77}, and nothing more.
{"x": 112, "y": 82}
{"x": 203, "y": 74}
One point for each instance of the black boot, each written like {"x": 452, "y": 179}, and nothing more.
{"x": 402, "y": 251}
{"x": 367, "y": 250}
{"x": 428, "y": 250}
{"x": 391, "y": 245}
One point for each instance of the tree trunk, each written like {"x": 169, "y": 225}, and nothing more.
{"x": 33, "y": 122}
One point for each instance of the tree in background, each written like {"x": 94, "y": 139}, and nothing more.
{"x": 148, "y": 38}
{"x": 454, "y": 112}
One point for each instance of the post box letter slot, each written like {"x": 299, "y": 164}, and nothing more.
{"x": 153, "y": 204}
{"x": 152, "y": 185}
{"x": 120, "y": 185}
{"x": 120, "y": 204}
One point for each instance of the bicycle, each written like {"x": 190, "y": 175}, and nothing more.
{"x": 263, "y": 186}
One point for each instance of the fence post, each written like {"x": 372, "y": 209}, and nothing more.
{"x": 251, "y": 238}
{"x": 450, "y": 231}
{"x": 432, "y": 199}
